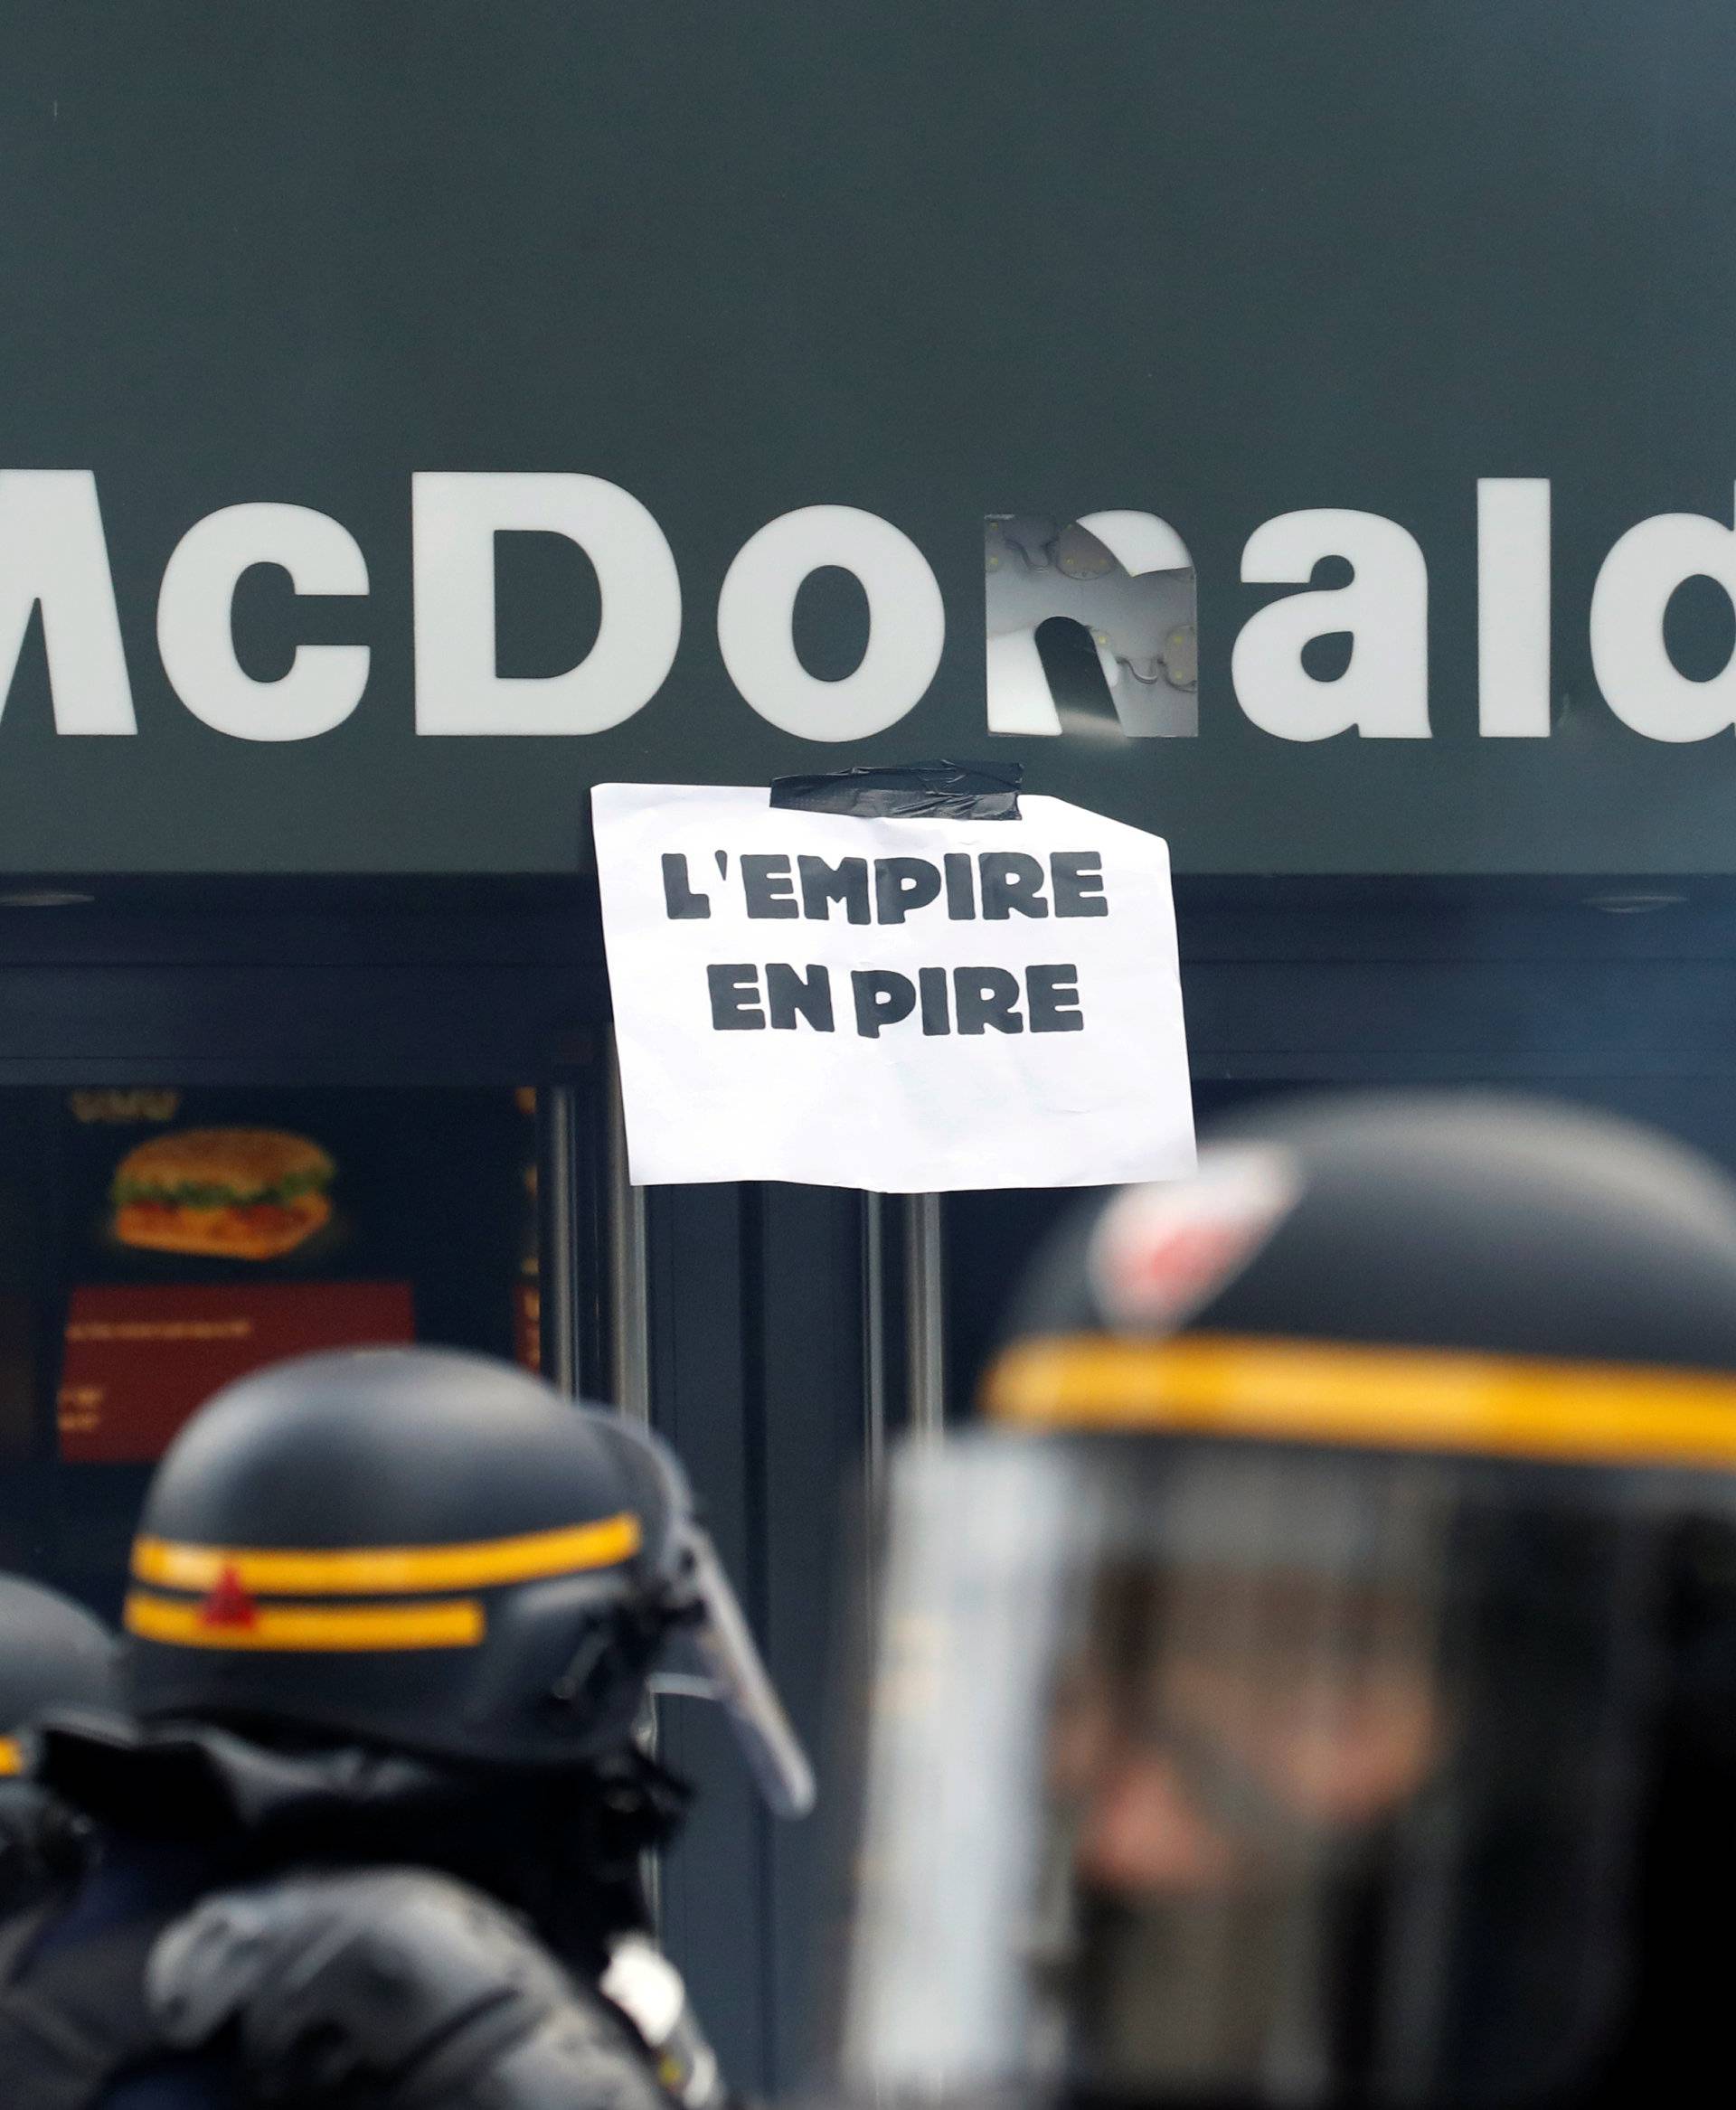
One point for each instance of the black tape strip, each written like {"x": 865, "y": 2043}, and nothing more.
{"x": 956, "y": 791}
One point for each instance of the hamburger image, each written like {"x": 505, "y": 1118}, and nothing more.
{"x": 234, "y": 1194}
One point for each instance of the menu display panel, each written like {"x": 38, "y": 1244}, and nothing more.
{"x": 139, "y": 1360}
{"x": 212, "y": 1230}
{"x": 157, "y": 1241}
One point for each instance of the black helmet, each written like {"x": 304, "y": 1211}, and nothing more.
{"x": 1292, "y": 1700}
{"x": 433, "y": 1552}
{"x": 1441, "y": 1221}
{"x": 52, "y": 1653}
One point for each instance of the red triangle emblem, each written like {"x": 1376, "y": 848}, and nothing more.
{"x": 229, "y": 1604}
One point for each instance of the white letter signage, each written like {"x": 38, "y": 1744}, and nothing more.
{"x": 454, "y": 519}
{"x": 194, "y": 635}
{"x": 1383, "y": 692}
{"x": 1641, "y": 682}
{"x": 907, "y": 623}
{"x": 53, "y": 551}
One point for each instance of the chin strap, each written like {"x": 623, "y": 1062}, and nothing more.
{"x": 392, "y": 1989}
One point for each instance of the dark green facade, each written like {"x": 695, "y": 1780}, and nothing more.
{"x": 1219, "y": 259}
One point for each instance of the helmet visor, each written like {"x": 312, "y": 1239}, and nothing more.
{"x": 714, "y": 1656}
{"x": 1210, "y": 1772}
{"x": 707, "y": 1649}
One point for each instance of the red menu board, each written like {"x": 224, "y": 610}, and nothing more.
{"x": 139, "y": 1359}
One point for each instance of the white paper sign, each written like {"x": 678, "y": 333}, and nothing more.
{"x": 905, "y": 1005}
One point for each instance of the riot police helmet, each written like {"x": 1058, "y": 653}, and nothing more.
{"x": 1279, "y": 1698}
{"x": 53, "y": 1652}
{"x": 434, "y": 1552}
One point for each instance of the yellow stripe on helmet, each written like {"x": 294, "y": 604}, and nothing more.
{"x": 11, "y": 1757}
{"x": 447, "y": 1623}
{"x": 362, "y": 1572}
{"x": 1360, "y": 1396}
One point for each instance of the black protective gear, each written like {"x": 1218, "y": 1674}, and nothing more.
{"x": 565, "y": 1848}
{"x": 434, "y": 1552}
{"x": 391, "y": 1989}
{"x": 74, "y": 2016}
{"x": 204, "y": 1809}
{"x": 52, "y": 1653}
{"x": 400, "y": 1606}
{"x": 44, "y": 1844}
{"x": 1315, "y": 1691}
{"x": 1494, "y": 1224}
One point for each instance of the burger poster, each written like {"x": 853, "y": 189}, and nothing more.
{"x": 212, "y": 1230}
{"x": 232, "y": 1193}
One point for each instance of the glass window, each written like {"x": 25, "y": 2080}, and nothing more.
{"x": 155, "y": 1243}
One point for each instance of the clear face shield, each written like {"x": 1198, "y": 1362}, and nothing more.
{"x": 1205, "y": 1773}
{"x": 707, "y": 1650}
{"x": 711, "y": 1655}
